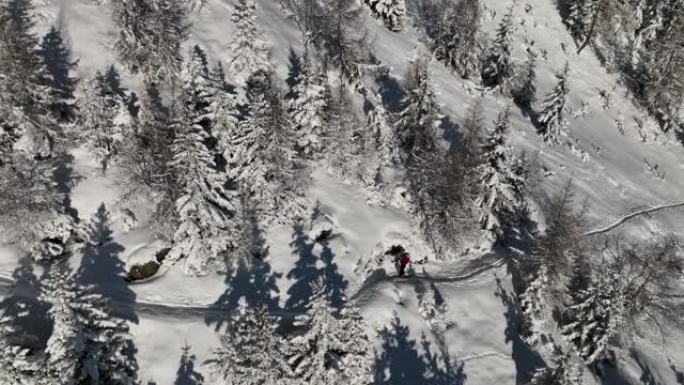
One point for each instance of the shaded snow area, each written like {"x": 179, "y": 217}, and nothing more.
{"x": 455, "y": 319}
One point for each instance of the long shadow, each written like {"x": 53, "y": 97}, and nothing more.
{"x": 335, "y": 283}
{"x": 294, "y": 70}
{"x": 391, "y": 92}
{"x": 399, "y": 362}
{"x": 58, "y": 63}
{"x": 647, "y": 377}
{"x": 24, "y": 309}
{"x": 101, "y": 270}
{"x": 305, "y": 272}
{"x": 186, "y": 373}
{"x": 525, "y": 359}
{"x": 678, "y": 373}
{"x": 450, "y": 133}
{"x": 251, "y": 280}
{"x": 65, "y": 180}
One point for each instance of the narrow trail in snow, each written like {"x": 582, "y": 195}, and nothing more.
{"x": 189, "y": 311}
{"x": 629, "y": 216}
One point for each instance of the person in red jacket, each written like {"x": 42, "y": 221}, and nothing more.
{"x": 402, "y": 261}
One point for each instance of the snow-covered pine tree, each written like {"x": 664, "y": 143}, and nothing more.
{"x": 204, "y": 207}
{"x": 532, "y": 302}
{"x": 343, "y": 36}
{"x": 149, "y": 35}
{"x": 563, "y": 371}
{"x": 501, "y": 184}
{"x": 330, "y": 350}
{"x": 552, "y": 123}
{"x": 577, "y": 19}
{"x": 26, "y": 98}
{"x": 309, "y": 107}
{"x": 104, "y": 117}
{"x": 417, "y": 124}
{"x": 496, "y": 67}
{"x": 252, "y": 351}
{"x": 250, "y": 52}
{"x": 261, "y": 157}
{"x": 524, "y": 85}
{"x": 455, "y": 40}
{"x": 16, "y": 367}
{"x": 597, "y": 317}
{"x": 391, "y": 12}
{"x": 87, "y": 345}
{"x": 223, "y": 108}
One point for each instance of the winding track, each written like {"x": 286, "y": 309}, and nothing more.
{"x": 188, "y": 311}
{"x": 629, "y": 216}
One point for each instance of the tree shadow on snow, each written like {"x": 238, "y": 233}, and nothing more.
{"x": 306, "y": 273}
{"x": 251, "y": 279}
{"x": 647, "y": 377}
{"x": 525, "y": 359}
{"x": 450, "y": 133}
{"x": 398, "y": 362}
{"x": 58, "y": 63}
{"x": 678, "y": 373}
{"x": 294, "y": 70}
{"x": 101, "y": 270}
{"x": 186, "y": 374}
{"x": 24, "y": 309}
{"x": 391, "y": 92}
{"x": 66, "y": 179}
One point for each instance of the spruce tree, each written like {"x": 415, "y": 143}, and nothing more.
{"x": 104, "y": 118}
{"x": 552, "y": 123}
{"x": 524, "y": 85}
{"x": 343, "y": 37}
{"x": 309, "y": 107}
{"x": 501, "y": 184}
{"x": 149, "y": 35}
{"x": 597, "y": 317}
{"x": 496, "y": 68}
{"x": 26, "y": 97}
{"x": 252, "y": 352}
{"x": 250, "y": 52}
{"x": 16, "y": 367}
{"x": 563, "y": 371}
{"x": 391, "y": 12}
{"x": 205, "y": 208}
{"x": 455, "y": 39}
{"x": 262, "y": 158}
{"x": 87, "y": 345}
{"x": 416, "y": 127}
{"x": 330, "y": 350}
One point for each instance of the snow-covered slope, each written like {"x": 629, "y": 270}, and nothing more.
{"x": 609, "y": 169}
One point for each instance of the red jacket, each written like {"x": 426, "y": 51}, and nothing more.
{"x": 405, "y": 260}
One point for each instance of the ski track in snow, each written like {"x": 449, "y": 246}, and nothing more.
{"x": 190, "y": 311}
{"x": 629, "y": 216}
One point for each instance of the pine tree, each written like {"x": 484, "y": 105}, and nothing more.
{"x": 16, "y": 368}
{"x": 525, "y": 88}
{"x": 309, "y": 107}
{"x": 563, "y": 371}
{"x": 391, "y": 12}
{"x": 577, "y": 19}
{"x": 343, "y": 37}
{"x": 533, "y": 302}
{"x": 252, "y": 352}
{"x": 26, "y": 98}
{"x": 455, "y": 41}
{"x": 597, "y": 316}
{"x": 496, "y": 68}
{"x": 330, "y": 350}
{"x": 205, "y": 208}
{"x": 149, "y": 36}
{"x": 501, "y": 185}
{"x": 552, "y": 124}
{"x": 416, "y": 127}
{"x": 261, "y": 157}
{"x": 87, "y": 345}
{"x": 250, "y": 52}
{"x": 104, "y": 118}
